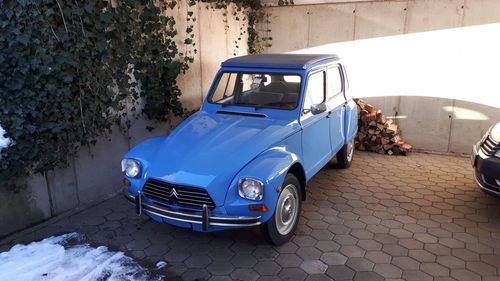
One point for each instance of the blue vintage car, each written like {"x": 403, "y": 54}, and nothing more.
{"x": 269, "y": 123}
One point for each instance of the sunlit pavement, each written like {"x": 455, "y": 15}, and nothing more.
{"x": 420, "y": 217}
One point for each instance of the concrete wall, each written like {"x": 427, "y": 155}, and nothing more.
{"x": 96, "y": 173}
{"x": 431, "y": 62}
{"x": 438, "y": 124}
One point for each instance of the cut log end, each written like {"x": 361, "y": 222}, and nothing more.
{"x": 377, "y": 133}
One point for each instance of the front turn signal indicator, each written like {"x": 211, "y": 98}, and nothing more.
{"x": 126, "y": 182}
{"x": 258, "y": 208}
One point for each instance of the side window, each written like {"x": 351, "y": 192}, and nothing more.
{"x": 334, "y": 84}
{"x": 345, "y": 77}
{"x": 225, "y": 87}
{"x": 348, "y": 95}
{"x": 315, "y": 92}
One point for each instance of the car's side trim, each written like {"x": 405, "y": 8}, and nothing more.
{"x": 204, "y": 218}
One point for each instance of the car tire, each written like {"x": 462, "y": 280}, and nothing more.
{"x": 280, "y": 228}
{"x": 345, "y": 155}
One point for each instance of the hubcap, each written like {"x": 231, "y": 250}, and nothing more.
{"x": 350, "y": 150}
{"x": 287, "y": 209}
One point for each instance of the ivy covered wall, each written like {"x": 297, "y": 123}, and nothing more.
{"x": 88, "y": 170}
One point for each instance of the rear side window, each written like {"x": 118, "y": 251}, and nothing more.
{"x": 334, "y": 83}
{"x": 315, "y": 92}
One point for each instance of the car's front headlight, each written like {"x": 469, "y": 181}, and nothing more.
{"x": 131, "y": 168}
{"x": 251, "y": 188}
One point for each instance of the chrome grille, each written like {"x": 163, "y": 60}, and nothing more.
{"x": 489, "y": 146}
{"x": 172, "y": 194}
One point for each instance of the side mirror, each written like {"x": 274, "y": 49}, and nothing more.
{"x": 318, "y": 108}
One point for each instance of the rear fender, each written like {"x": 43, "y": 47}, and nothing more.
{"x": 351, "y": 120}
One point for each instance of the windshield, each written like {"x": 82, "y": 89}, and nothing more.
{"x": 271, "y": 90}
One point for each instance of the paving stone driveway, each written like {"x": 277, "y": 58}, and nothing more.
{"x": 420, "y": 217}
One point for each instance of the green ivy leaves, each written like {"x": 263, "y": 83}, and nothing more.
{"x": 66, "y": 68}
{"x": 70, "y": 68}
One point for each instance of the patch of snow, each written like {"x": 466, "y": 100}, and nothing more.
{"x": 4, "y": 141}
{"x": 160, "y": 264}
{"x": 68, "y": 257}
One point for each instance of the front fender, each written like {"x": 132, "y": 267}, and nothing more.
{"x": 271, "y": 167}
{"x": 143, "y": 152}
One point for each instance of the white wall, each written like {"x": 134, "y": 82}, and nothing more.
{"x": 432, "y": 62}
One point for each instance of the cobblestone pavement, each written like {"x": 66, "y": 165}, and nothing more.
{"x": 420, "y": 217}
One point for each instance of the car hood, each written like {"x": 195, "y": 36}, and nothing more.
{"x": 208, "y": 149}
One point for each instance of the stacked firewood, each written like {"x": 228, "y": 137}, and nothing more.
{"x": 377, "y": 133}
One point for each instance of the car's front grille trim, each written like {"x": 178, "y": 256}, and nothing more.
{"x": 157, "y": 194}
{"x": 195, "y": 200}
{"x": 150, "y": 183}
{"x": 161, "y": 191}
{"x": 188, "y": 197}
{"x": 489, "y": 146}
{"x": 186, "y": 191}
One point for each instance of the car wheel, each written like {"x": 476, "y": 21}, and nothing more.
{"x": 281, "y": 226}
{"x": 345, "y": 154}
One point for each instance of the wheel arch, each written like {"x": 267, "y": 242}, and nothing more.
{"x": 271, "y": 167}
{"x": 298, "y": 171}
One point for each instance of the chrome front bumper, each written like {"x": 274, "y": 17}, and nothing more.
{"x": 203, "y": 218}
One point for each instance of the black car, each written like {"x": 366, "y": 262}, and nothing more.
{"x": 486, "y": 161}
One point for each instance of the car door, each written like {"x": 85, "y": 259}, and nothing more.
{"x": 336, "y": 106}
{"x": 316, "y": 148}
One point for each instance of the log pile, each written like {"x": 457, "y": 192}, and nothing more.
{"x": 377, "y": 133}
